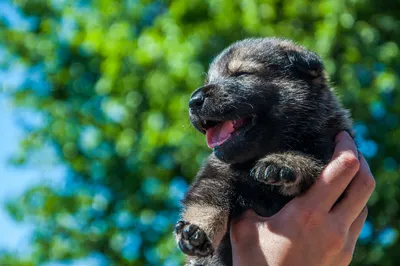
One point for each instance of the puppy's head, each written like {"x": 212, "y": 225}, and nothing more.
{"x": 259, "y": 94}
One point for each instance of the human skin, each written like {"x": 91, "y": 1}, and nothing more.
{"x": 312, "y": 229}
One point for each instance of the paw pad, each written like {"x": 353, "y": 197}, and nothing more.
{"x": 192, "y": 240}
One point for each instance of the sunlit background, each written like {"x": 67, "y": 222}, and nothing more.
{"x": 96, "y": 149}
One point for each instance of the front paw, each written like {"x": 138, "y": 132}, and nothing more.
{"x": 277, "y": 174}
{"x": 273, "y": 173}
{"x": 192, "y": 240}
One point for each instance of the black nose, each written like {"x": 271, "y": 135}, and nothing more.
{"x": 196, "y": 100}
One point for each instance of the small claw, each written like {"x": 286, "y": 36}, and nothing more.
{"x": 287, "y": 175}
{"x": 179, "y": 226}
{"x": 189, "y": 231}
{"x": 253, "y": 172}
{"x": 268, "y": 171}
{"x": 207, "y": 250}
{"x": 197, "y": 238}
{"x": 186, "y": 248}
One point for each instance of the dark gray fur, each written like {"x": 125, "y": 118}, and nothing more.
{"x": 295, "y": 118}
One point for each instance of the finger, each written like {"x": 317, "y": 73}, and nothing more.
{"x": 355, "y": 230}
{"x": 247, "y": 216}
{"x": 356, "y": 195}
{"x": 335, "y": 177}
{"x": 243, "y": 229}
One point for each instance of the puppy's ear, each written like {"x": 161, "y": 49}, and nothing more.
{"x": 307, "y": 64}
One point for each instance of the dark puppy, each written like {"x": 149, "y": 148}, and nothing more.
{"x": 271, "y": 118}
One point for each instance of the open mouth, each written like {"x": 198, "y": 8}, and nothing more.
{"x": 217, "y": 132}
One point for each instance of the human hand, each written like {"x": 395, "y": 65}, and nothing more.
{"x": 311, "y": 230}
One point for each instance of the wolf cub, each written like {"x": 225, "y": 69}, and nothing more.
{"x": 270, "y": 117}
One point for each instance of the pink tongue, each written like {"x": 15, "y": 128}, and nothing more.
{"x": 219, "y": 134}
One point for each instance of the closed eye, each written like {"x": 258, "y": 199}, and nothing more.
{"x": 242, "y": 73}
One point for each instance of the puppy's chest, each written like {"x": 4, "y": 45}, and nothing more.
{"x": 249, "y": 193}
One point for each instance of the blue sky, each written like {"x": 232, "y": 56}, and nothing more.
{"x": 43, "y": 169}
{"x": 13, "y": 181}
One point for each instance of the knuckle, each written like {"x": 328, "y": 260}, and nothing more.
{"x": 336, "y": 243}
{"x": 309, "y": 218}
{"x": 365, "y": 211}
{"x": 337, "y": 237}
{"x": 370, "y": 183}
{"x": 350, "y": 161}
{"x": 347, "y": 256}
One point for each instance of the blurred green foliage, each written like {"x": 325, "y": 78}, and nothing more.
{"x": 112, "y": 83}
